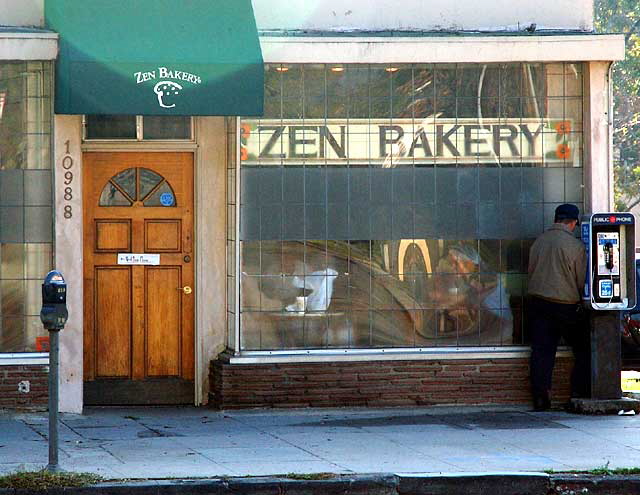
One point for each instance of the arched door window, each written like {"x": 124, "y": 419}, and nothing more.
{"x": 137, "y": 186}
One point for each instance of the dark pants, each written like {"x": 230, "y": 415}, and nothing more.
{"x": 548, "y": 322}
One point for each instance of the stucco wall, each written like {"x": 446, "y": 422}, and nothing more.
{"x": 422, "y": 15}
{"x": 380, "y": 14}
{"x": 22, "y": 13}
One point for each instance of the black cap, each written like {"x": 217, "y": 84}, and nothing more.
{"x": 567, "y": 211}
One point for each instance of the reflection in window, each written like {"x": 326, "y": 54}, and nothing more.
{"x": 161, "y": 196}
{"x": 26, "y": 218}
{"x": 111, "y": 196}
{"x": 130, "y": 127}
{"x": 111, "y": 126}
{"x": 166, "y": 127}
{"x": 137, "y": 185}
{"x": 406, "y": 196}
{"x": 126, "y": 180}
{"x": 148, "y": 181}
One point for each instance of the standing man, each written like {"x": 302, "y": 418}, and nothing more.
{"x": 557, "y": 271}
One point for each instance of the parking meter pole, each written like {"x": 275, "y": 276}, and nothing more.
{"x": 53, "y": 401}
{"x": 53, "y": 315}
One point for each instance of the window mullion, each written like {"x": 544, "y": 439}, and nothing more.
{"x": 139, "y": 129}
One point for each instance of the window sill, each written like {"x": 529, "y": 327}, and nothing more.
{"x": 404, "y": 354}
{"x": 106, "y": 145}
{"x": 22, "y": 358}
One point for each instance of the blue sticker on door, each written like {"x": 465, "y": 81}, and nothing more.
{"x": 166, "y": 199}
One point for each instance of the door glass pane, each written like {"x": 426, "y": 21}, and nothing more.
{"x": 111, "y": 127}
{"x": 112, "y": 197}
{"x": 169, "y": 127}
{"x": 127, "y": 181}
{"x": 163, "y": 196}
{"x": 148, "y": 180}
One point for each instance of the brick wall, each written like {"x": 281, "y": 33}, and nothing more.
{"x": 378, "y": 383}
{"x": 24, "y": 387}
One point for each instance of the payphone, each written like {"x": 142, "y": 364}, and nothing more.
{"x": 611, "y": 268}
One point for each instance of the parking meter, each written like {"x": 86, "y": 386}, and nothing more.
{"x": 53, "y": 316}
{"x": 54, "y": 312}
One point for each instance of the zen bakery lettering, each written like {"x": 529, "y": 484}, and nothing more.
{"x": 167, "y": 91}
{"x": 164, "y": 73}
{"x": 446, "y": 140}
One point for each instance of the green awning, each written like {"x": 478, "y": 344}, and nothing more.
{"x": 157, "y": 57}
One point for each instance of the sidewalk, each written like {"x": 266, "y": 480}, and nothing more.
{"x": 199, "y": 442}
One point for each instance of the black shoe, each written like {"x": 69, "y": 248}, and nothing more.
{"x": 541, "y": 403}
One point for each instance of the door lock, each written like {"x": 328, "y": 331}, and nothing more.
{"x": 186, "y": 289}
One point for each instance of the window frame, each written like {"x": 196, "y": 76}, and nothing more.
{"x": 139, "y": 134}
{"x": 245, "y": 355}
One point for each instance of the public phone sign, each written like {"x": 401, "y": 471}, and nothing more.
{"x": 612, "y": 219}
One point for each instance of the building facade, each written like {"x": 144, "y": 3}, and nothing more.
{"x": 328, "y": 208}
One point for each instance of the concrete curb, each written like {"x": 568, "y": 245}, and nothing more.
{"x": 609, "y": 406}
{"x": 474, "y": 484}
{"x": 595, "y": 485}
{"x": 374, "y": 484}
{"x": 341, "y": 485}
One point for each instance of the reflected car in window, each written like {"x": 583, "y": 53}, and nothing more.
{"x": 630, "y": 332}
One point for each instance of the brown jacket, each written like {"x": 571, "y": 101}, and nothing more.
{"x": 557, "y": 266}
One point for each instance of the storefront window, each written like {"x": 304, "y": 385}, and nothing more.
{"x": 26, "y": 216}
{"x": 394, "y": 205}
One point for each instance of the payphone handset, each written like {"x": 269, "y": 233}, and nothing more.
{"x": 612, "y": 261}
{"x": 608, "y": 253}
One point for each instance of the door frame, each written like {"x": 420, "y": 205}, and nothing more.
{"x": 210, "y": 167}
{"x": 133, "y": 380}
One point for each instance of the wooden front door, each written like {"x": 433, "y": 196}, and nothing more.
{"x": 138, "y": 319}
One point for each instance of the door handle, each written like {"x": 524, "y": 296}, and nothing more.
{"x": 186, "y": 289}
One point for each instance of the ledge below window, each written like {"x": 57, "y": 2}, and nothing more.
{"x": 400, "y": 354}
{"x": 22, "y": 358}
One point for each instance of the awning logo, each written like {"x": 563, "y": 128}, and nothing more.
{"x": 167, "y": 89}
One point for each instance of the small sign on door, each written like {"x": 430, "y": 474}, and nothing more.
{"x": 138, "y": 259}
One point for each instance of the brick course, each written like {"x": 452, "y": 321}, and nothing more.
{"x": 379, "y": 383}
{"x": 12, "y": 398}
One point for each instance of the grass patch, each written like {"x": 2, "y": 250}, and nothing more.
{"x": 605, "y": 471}
{"x": 41, "y": 480}
{"x": 310, "y": 476}
{"x": 601, "y": 471}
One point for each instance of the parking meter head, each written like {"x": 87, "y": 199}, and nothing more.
{"x": 54, "y": 312}
{"x": 54, "y": 288}
{"x": 54, "y": 316}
